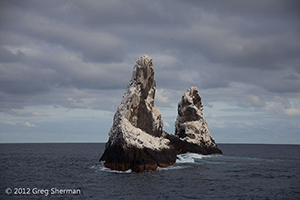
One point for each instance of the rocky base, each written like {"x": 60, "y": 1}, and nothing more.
{"x": 122, "y": 159}
{"x": 182, "y": 146}
{"x": 119, "y": 158}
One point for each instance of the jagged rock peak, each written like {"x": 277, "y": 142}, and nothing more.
{"x": 191, "y": 125}
{"x": 144, "y": 60}
{"x": 137, "y": 105}
{"x": 135, "y": 140}
{"x": 143, "y": 71}
{"x": 140, "y": 96}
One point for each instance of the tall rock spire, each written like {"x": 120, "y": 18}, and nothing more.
{"x": 135, "y": 140}
{"x": 142, "y": 112}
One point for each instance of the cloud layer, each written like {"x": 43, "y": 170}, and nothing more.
{"x": 80, "y": 54}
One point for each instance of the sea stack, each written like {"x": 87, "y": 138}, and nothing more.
{"x": 191, "y": 126}
{"x": 135, "y": 138}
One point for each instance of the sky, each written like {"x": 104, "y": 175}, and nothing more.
{"x": 65, "y": 65}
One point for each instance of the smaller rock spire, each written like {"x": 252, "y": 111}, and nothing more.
{"x": 191, "y": 125}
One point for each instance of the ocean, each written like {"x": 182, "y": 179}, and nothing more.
{"x": 72, "y": 171}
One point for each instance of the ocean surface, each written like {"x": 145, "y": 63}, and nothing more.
{"x": 72, "y": 171}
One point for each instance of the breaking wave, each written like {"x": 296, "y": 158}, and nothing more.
{"x": 188, "y": 158}
{"x": 99, "y": 167}
{"x": 171, "y": 167}
{"x": 191, "y": 158}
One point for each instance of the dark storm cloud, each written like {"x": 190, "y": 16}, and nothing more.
{"x": 142, "y": 13}
{"x": 47, "y": 74}
{"x": 265, "y": 8}
{"x": 54, "y": 45}
{"x": 93, "y": 46}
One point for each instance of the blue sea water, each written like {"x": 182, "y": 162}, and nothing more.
{"x": 245, "y": 171}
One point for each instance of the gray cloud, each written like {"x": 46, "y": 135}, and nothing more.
{"x": 8, "y": 56}
{"x": 48, "y": 47}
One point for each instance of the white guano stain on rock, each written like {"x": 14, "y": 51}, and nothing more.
{"x": 125, "y": 129}
{"x": 190, "y": 124}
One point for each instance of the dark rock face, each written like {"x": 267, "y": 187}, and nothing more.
{"x": 136, "y": 138}
{"x": 122, "y": 159}
{"x": 182, "y": 146}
